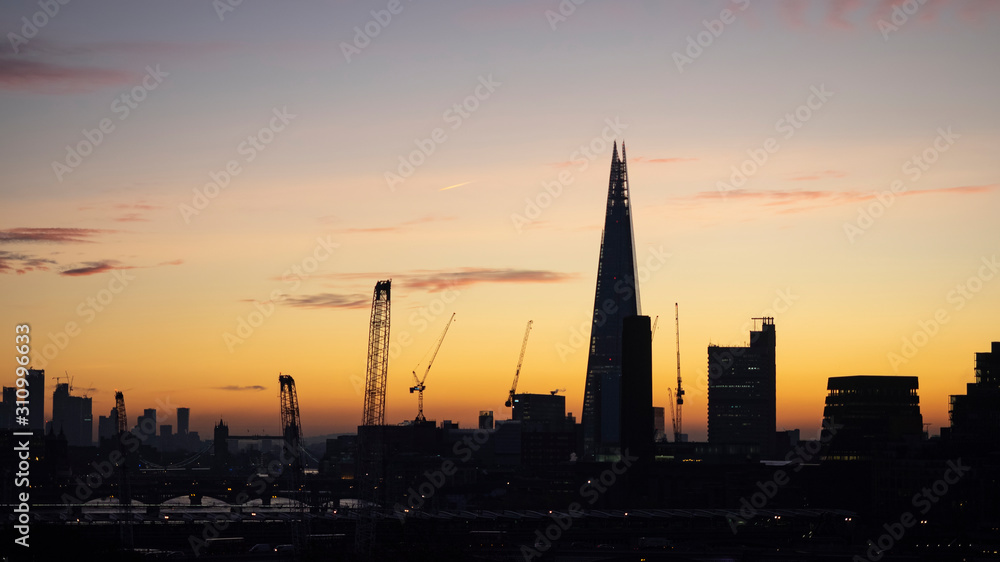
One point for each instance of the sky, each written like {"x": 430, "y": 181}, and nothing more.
{"x": 199, "y": 196}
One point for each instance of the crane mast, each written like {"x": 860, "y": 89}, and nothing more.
{"x": 291, "y": 427}
{"x": 124, "y": 487}
{"x": 679, "y": 395}
{"x": 420, "y": 386}
{"x": 517, "y": 372}
{"x": 120, "y": 409}
{"x": 370, "y": 469}
{"x": 378, "y": 356}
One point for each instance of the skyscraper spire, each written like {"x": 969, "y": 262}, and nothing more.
{"x": 616, "y": 297}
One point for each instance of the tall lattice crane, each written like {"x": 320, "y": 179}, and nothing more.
{"x": 124, "y": 487}
{"x": 420, "y": 386}
{"x": 378, "y": 356}
{"x": 291, "y": 423}
{"x": 291, "y": 427}
{"x": 369, "y": 452}
{"x": 517, "y": 371}
{"x": 120, "y": 409}
{"x": 675, "y": 412}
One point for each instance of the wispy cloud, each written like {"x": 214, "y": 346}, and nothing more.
{"x": 407, "y": 225}
{"x": 454, "y": 186}
{"x": 438, "y": 280}
{"x": 838, "y": 12}
{"x": 434, "y": 281}
{"x": 237, "y": 388}
{"x": 33, "y": 75}
{"x": 675, "y": 160}
{"x": 826, "y": 174}
{"x": 50, "y": 235}
{"x": 328, "y": 300}
{"x": 96, "y": 267}
{"x": 50, "y": 67}
{"x": 93, "y": 268}
{"x": 21, "y": 263}
{"x": 136, "y": 212}
{"x": 847, "y": 15}
{"x": 795, "y": 201}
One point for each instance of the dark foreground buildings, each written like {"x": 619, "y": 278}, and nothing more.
{"x": 975, "y": 415}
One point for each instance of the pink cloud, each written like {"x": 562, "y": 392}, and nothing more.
{"x": 837, "y": 14}
{"x": 22, "y": 263}
{"x": 439, "y": 280}
{"x": 51, "y": 78}
{"x": 826, "y": 174}
{"x": 51, "y": 235}
{"x": 397, "y": 228}
{"x": 674, "y": 160}
{"x": 131, "y": 217}
{"x": 792, "y": 12}
{"x": 798, "y": 201}
{"x": 328, "y": 300}
{"x": 93, "y": 268}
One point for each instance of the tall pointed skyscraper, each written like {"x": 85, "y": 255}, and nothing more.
{"x": 616, "y": 297}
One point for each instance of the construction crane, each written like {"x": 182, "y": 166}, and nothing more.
{"x": 369, "y": 452}
{"x": 291, "y": 423}
{"x": 122, "y": 417}
{"x": 420, "y": 386}
{"x": 517, "y": 371}
{"x": 69, "y": 380}
{"x": 291, "y": 427}
{"x": 679, "y": 395}
{"x": 124, "y": 487}
{"x": 652, "y": 333}
{"x": 378, "y": 356}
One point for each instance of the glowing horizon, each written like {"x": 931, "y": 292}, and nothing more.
{"x": 173, "y": 175}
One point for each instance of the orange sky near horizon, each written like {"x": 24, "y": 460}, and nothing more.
{"x": 865, "y": 223}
